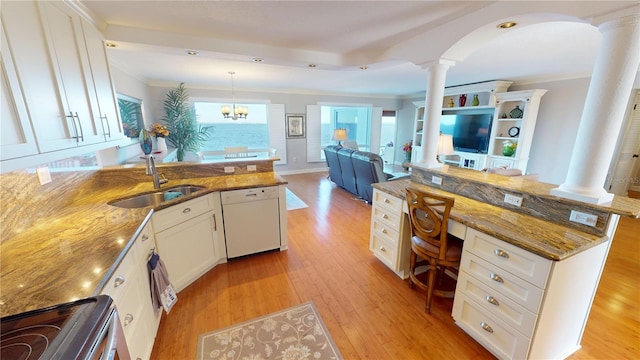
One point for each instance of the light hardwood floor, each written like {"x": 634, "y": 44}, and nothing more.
{"x": 369, "y": 311}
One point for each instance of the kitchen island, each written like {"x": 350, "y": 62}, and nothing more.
{"x": 61, "y": 241}
{"x": 528, "y": 272}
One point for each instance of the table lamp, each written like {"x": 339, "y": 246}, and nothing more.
{"x": 339, "y": 135}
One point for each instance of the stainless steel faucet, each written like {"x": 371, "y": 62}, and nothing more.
{"x": 151, "y": 170}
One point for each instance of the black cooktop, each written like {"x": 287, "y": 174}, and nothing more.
{"x": 62, "y": 331}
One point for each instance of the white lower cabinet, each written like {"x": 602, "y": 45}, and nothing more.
{"x": 190, "y": 238}
{"x": 519, "y": 305}
{"x": 389, "y": 239}
{"x": 130, "y": 290}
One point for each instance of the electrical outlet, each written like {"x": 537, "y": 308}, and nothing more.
{"x": 436, "y": 180}
{"x": 251, "y": 168}
{"x": 44, "y": 176}
{"x": 583, "y": 218}
{"x": 513, "y": 200}
{"x": 229, "y": 169}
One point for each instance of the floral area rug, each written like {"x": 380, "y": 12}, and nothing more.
{"x": 291, "y": 334}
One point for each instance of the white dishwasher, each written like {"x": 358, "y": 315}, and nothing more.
{"x": 251, "y": 220}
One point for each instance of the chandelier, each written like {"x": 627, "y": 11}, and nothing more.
{"x": 239, "y": 111}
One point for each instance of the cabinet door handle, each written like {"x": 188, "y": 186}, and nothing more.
{"x": 80, "y": 126}
{"x": 215, "y": 223}
{"x": 383, "y": 249}
{"x": 75, "y": 128}
{"x": 119, "y": 280}
{"x": 106, "y": 120}
{"x": 501, "y": 253}
{"x": 145, "y": 237}
{"x": 128, "y": 319}
{"x": 491, "y": 300}
{"x": 496, "y": 278}
{"x": 186, "y": 210}
{"x": 486, "y": 327}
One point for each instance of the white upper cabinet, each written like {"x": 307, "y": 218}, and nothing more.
{"x": 60, "y": 73}
{"x": 65, "y": 42}
{"x": 17, "y": 136}
{"x": 104, "y": 103}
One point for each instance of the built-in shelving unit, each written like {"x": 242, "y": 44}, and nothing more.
{"x": 514, "y": 126}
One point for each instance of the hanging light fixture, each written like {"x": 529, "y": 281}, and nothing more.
{"x": 239, "y": 111}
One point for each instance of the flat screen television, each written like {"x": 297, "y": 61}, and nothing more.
{"x": 470, "y": 129}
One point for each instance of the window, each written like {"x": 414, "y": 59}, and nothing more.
{"x": 252, "y": 132}
{"x": 362, "y": 123}
{"x": 130, "y": 115}
{"x": 388, "y": 141}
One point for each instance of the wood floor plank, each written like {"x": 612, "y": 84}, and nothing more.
{"x": 370, "y": 312}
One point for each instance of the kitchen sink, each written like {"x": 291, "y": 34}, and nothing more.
{"x": 156, "y": 198}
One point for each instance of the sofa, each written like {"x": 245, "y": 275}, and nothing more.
{"x": 355, "y": 171}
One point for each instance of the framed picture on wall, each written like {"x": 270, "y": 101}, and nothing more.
{"x": 295, "y": 126}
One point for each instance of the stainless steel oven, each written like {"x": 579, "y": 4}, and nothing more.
{"x": 85, "y": 329}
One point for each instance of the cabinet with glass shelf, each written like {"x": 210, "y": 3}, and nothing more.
{"x": 418, "y": 129}
{"x": 514, "y": 122}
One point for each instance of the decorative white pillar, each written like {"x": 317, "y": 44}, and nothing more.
{"x": 436, "y": 76}
{"x": 603, "y": 113}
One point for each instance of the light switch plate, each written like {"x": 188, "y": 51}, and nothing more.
{"x": 583, "y": 218}
{"x": 44, "y": 176}
{"x": 436, "y": 180}
{"x": 251, "y": 168}
{"x": 229, "y": 169}
{"x": 513, "y": 200}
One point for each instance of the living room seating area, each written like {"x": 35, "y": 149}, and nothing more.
{"x": 355, "y": 170}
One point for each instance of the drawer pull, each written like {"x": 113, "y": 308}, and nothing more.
{"x": 386, "y": 200}
{"x": 215, "y": 223}
{"x": 119, "y": 280}
{"x": 128, "y": 319}
{"x": 383, "y": 249}
{"x": 491, "y": 300}
{"x": 384, "y": 231}
{"x": 486, "y": 327}
{"x": 385, "y": 216}
{"x": 497, "y": 278}
{"x": 501, "y": 253}
{"x": 186, "y": 210}
{"x": 145, "y": 237}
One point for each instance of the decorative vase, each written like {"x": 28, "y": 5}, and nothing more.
{"x": 180, "y": 153}
{"x": 407, "y": 157}
{"x": 476, "y": 101}
{"x": 516, "y": 113}
{"x": 146, "y": 144}
{"x": 509, "y": 148}
{"x": 450, "y": 103}
{"x": 462, "y": 100}
{"x": 161, "y": 144}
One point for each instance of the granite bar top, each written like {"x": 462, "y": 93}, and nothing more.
{"x": 61, "y": 241}
{"x": 543, "y": 238}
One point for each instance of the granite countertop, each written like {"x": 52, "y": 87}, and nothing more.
{"x": 55, "y": 254}
{"x": 544, "y": 238}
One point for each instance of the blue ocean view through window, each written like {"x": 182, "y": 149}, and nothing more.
{"x": 254, "y": 136}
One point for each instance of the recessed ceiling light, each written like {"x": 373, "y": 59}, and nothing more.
{"x": 507, "y": 25}
{"x": 363, "y": 67}
{"x": 191, "y": 52}
{"x": 111, "y": 45}
{"x": 258, "y": 59}
{"x": 312, "y": 65}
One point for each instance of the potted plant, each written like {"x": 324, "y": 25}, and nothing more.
{"x": 184, "y": 132}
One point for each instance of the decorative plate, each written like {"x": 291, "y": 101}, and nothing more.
{"x": 516, "y": 113}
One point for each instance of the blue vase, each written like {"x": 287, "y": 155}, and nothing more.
{"x": 145, "y": 142}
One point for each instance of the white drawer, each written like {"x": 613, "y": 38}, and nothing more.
{"x": 178, "y": 213}
{"x": 518, "y": 290}
{"x": 526, "y": 265}
{"x": 387, "y": 201}
{"x": 124, "y": 274}
{"x": 497, "y": 337}
{"x": 392, "y": 219}
{"x": 381, "y": 230}
{"x": 497, "y": 304}
{"x": 144, "y": 244}
{"x": 383, "y": 250}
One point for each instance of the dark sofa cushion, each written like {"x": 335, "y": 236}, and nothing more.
{"x": 331, "y": 154}
{"x": 369, "y": 169}
{"x": 346, "y": 168}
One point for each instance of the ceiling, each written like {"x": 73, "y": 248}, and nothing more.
{"x": 392, "y": 39}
